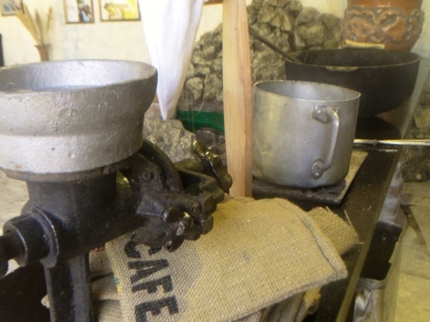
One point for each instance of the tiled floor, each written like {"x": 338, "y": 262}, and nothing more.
{"x": 413, "y": 296}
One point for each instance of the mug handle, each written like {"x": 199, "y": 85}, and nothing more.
{"x": 326, "y": 114}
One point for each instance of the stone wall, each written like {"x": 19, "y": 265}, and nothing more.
{"x": 417, "y": 159}
{"x": 285, "y": 23}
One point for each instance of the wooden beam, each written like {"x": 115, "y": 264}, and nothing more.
{"x": 237, "y": 92}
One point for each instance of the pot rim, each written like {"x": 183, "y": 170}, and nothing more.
{"x": 416, "y": 59}
{"x": 143, "y": 70}
{"x": 351, "y": 91}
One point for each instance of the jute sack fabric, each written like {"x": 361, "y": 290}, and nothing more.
{"x": 342, "y": 235}
{"x": 343, "y": 238}
{"x": 295, "y": 308}
{"x": 259, "y": 253}
{"x": 286, "y": 310}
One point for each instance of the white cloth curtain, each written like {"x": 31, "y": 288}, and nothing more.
{"x": 170, "y": 28}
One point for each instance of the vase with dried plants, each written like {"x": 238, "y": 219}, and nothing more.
{"x": 37, "y": 29}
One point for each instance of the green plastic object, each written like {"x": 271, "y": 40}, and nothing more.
{"x": 194, "y": 120}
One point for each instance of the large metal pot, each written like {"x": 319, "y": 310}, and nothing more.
{"x": 303, "y": 132}
{"x": 385, "y": 78}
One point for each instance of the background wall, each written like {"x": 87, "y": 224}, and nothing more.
{"x": 124, "y": 40}
{"x": 109, "y": 40}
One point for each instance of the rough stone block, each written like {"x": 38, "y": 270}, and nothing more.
{"x": 212, "y": 87}
{"x": 294, "y": 7}
{"x": 195, "y": 85}
{"x": 422, "y": 118}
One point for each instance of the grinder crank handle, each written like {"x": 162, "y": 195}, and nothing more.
{"x": 175, "y": 202}
{"x": 213, "y": 165}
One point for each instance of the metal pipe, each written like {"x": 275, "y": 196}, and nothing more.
{"x": 411, "y": 142}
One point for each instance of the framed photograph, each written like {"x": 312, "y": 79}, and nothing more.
{"x": 10, "y": 7}
{"x": 78, "y": 11}
{"x": 119, "y": 10}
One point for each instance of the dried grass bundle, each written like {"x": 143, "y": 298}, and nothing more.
{"x": 34, "y": 25}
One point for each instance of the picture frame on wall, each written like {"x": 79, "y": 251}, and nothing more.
{"x": 10, "y": 7}
{"x": 119, "y": 10}
{"x": 78, "y": 11}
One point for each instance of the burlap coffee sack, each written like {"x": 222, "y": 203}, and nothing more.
{"x": 285, "y": 311}
{"x": 265, "y": 314}
{"x": 258, "y": 254}
{"x": 105, "y": 293}
{"x": 342, "y": 235}
{"x": 309, "y": 304}
{"x": 296, "y": 308}
{"x": 255, "y": 317}
{"x": 99, "y": 263}
{"x": 107, "y": 311}
{"x": 343, "y": 238}
{"x": 110, "y": 311}
{"x": 103, "y": 286}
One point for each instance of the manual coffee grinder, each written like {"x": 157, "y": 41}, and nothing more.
{"x": 73, "y": 131}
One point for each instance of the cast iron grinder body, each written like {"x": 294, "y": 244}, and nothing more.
{"x": 63, "y": 220}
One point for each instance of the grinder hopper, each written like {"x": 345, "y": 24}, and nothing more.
{"x": 72, "y": 116}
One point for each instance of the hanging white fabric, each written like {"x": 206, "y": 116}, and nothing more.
{"x": 170, "y": 28}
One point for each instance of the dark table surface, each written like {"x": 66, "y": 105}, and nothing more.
{"x": 364, "y": 199}
{"x": 363, "y": 204}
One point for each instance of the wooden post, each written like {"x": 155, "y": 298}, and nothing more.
{"x": 237, "y": 91}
